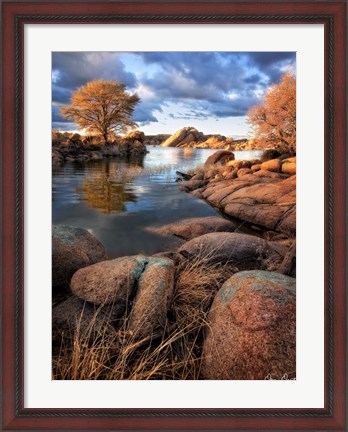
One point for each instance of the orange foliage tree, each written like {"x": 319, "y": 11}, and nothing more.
{"x": 274, "y": 120}
{"x": 102, "y": 108}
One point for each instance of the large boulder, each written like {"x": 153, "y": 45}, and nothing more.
{"x": 128, "y": 147}
{"x": 289, "y": 166}
{"x": 109, "y": 282}
{"x": 137, "y": 148}
{"x": 188, "y": 229}
{"x": 270, "y": 154}
{"x": 274, "y": 165}
{"x": 221, "y": 157}
{"x": 214, "y": 142}
{"x": 153, "y": 298}
{"x": 242, "y": 250}
{"x": 183, "y": 136}
{"x": 238, "y": 164}
{"x": 72, "y": 249}
{"x": 252, "y": 328}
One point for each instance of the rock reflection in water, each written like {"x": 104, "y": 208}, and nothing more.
{"x": 108, "y": 189}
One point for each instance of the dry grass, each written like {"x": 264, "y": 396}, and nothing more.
{"x": 217, "y": 170}
{"x": 106, "y": 353}
{"x": 130, "y": 173}
{"x": 199, "y": 169}
{"x": 214, "y": 170}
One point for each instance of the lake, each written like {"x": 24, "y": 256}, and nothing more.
{"x": 118, "y": 200}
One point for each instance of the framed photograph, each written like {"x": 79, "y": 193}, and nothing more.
{"x": 173, "y": 215}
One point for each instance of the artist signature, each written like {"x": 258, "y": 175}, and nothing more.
{"x": 284, "y": 377}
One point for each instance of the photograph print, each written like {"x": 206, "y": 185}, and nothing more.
{"x": 173, "y": 215}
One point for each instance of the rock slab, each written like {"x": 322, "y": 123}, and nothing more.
{"x": 188, "y": 229}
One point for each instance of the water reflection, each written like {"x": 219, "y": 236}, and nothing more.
{"x": 118, "y": 200}
{"x": 107, "y": 189}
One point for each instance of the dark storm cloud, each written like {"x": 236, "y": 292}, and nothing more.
{"x": 60, "y": 94}
{"x": 268, "y": 59}
{"x": 208, "y": 84}
{"x": 271, "y": 63}
{"x": 73, "y": 69}
{"x": 76, "y": 68}
{"x": 59, "y": 122}
{"x": 211, "y": 78}
{"x": 253, "y": 79}
{"x": 144, "y": 112}
{"x": 215, "y": 70}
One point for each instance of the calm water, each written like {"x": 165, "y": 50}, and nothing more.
{"x": 117, "y": 200}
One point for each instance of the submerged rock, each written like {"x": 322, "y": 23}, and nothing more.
{"x": 252, "y": 328}
{"x": 188, "y": 229}
{"x": 72, "y": 249}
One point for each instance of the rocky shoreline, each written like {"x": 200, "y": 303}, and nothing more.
{"x": 190, "y": 137}
{"x": 259, "y": 192}
{"x": 223, "y": 303}
{"x": 73, "y": 147}
{"x": 78, "y": 148}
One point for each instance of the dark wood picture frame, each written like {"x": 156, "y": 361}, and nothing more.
{"x": 15, "y": 15}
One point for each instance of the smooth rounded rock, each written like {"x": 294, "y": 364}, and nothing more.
{"x": 112, "y": 281}
{"x": 241, "y": 250}
{"x": 252, "y": 329}
{"x": 289, "y": 168}
{"x": 274, "y": 165}
{"x": 221, "y": 156}
{"x": 153, "y": 298}
{"x": 72, "y": 249}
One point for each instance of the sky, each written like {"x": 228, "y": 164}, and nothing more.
{"x": 211, "y": 91}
